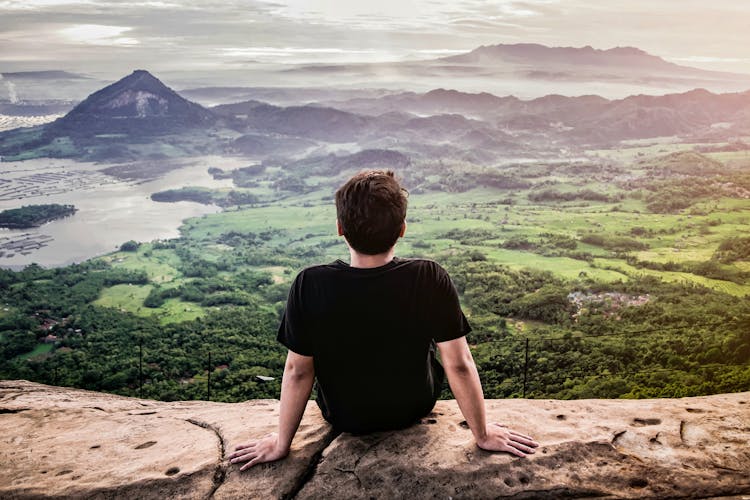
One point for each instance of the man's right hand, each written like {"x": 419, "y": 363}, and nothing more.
{"x": 267, "y": 449}
{"x": 500, "y": 438}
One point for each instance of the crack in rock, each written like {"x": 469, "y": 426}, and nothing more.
{"x": 13, "y": 410}
{"x": 556, "y": 493}
{"x": 312, "y": 466}
{"x": 350, "y": 471}
{"x": 353, "y": 470}
{"x": 220, "y": 474}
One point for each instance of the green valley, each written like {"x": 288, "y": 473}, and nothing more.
{"x": 625, "y": 274}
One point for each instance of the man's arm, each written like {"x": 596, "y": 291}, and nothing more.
{"x": 296, "y": 386}
{"x": 463, "y": 379}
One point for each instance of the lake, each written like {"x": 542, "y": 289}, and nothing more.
{"x": 110, "y": 211}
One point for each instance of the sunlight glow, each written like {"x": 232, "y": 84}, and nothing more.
{"x": 39, "y": 4}
{"x": 304, "y": 54}
{"x": 99, "y": 34}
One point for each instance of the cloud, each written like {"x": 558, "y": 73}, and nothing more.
{"x": 295, "y": 54}
{"x": 440, "y": 52}
{"x": 40, "y": 4}
{"x": 108, "y": 35}
{"x": 98, "y": 34}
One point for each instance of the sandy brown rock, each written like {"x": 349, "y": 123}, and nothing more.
{"x": 67, "y": 442}
{"x": 693, "y": 447}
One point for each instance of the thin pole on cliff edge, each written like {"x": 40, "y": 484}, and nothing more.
{"x": 525, "y": 367}
{"x": 208, "y": 383}
{"x": 140, "y": 368}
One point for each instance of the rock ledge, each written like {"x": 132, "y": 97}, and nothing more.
{"x": 68, "y": 442}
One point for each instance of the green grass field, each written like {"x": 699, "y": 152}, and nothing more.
{"x": 124, "y": 297}
{"x": 39, "y": 350}
{"x": 159, "y": 265}
{"x": 671, "y": 276}
{"x": 130, "y": 298}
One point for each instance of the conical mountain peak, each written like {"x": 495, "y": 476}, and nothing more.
{"x": 138, "y": 100}
{"x": 141, "y": 78}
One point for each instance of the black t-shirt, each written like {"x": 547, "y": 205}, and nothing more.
{"x": 371, "y": 333}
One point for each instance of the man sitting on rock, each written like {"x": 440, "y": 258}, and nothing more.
{"x": 368, "y": 329}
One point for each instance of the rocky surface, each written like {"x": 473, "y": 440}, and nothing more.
{"x": 67, "y": 442}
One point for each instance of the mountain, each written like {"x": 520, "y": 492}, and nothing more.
{"x": 437, "y": 101}
{"x": 139, "y": 117}
{"x": 312, "y": 122}
{"x": 503, "y": 122}
{"x": 530, "y": 70}
{"x": 137, "y": 105}
{"x": 694, "y": 113}
{"x": 542, "y": 60}
{"x": 279, "y": 96}
{"x": 331, "y": 165}
{"x": 533, "y": 53}
{"x": 135, "y": 117}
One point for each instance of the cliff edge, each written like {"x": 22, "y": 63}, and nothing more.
{"x": 68, "y": 442}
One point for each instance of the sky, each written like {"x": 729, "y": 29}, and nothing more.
{"x": 111, "y": 37}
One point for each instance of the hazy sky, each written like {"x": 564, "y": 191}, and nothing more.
{"x": 113, "y": 37}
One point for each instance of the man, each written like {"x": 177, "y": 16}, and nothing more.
{"x": 367, "y": 331}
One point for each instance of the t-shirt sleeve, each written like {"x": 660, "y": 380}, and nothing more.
{"x": 447, "y": 318}
{"x": 294, "y": 331}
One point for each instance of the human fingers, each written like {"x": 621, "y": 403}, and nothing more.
{"x": 522, "y": 447}
{"x": 523, "y": 436}
{"x": 242, "y": 451}
{"x": 244, "y": 458}
{"x": 513, "y": 450}
{"x": 245, "y": 445}
{"x": 511, "y": 431}
{"x": 516, "y": 434}
{"x": 250, "y": 463}
{"x": 529, "y": 441}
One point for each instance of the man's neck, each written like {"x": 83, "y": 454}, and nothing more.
{"x": 365, "y": 261}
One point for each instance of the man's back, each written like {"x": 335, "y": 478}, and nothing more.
{"x": 367, "y": 330}
{"x": 371, "y": 333}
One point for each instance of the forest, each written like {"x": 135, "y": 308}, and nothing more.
{"x": 34, "y": 215}
{"x": 205, "y": 197}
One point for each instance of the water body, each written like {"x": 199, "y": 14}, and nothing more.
{"x": 110, "y": 212}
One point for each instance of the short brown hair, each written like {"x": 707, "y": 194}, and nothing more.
{"x": 371, "y": 209}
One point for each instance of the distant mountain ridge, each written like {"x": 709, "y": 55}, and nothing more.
{"x": 137, "y": 104}
{"x": 587, "y": 119}
{"x": 525, "y": 68}
{"x": 140, "y": 117}
{"x": 535, "y": 54}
